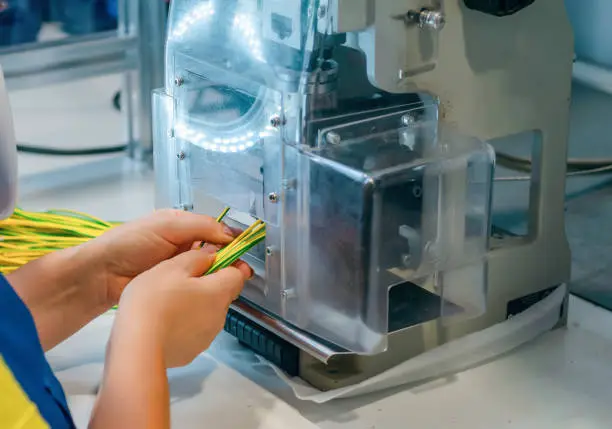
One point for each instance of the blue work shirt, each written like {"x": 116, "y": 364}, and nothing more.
{"x": 21, "y": 351}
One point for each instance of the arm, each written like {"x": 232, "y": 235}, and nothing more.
{"x": 57, "y": 289}
{"x": 134, "y": 393}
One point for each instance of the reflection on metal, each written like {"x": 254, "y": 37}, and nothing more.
{"x": 135, "y": 49}
{"x": 60, "y": 61}
{"x": 319, "y": 349}
{"x": 594, "y": 76}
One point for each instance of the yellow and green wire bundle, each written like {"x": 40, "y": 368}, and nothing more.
{"x": 231, "y": 253}
{"x": 27, "y": 236}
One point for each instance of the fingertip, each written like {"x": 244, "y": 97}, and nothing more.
{"x": 195, "y": 262}
{"x": 244, "y": 268}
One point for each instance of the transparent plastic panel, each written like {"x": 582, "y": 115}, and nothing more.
{"x": 382, "y": 214}
{"x": 232, "y": 148}
{"x": 272, "y": 42}
{"x": 377, "y": 219}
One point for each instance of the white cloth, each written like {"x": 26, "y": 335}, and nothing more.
{"x": 8, "y": 154}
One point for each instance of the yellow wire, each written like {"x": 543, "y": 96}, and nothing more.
{"x": 27, "y": 236}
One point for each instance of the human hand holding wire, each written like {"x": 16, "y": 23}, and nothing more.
{"x": 133, "y": 248}
{"x": 167, "y": 316}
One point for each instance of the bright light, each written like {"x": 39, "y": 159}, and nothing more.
{"x": 225, "y": 145}
{"x": 201, "y": 12}
{"x": 245, "y": 25}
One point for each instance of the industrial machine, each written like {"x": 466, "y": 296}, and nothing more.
{"x": 360, "y": 131}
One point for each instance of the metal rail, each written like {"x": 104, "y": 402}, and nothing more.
{"x": 136, "y": 49}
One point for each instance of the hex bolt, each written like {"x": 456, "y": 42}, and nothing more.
{"x": 269, "y": 251}
{"x": 179, "y": 81}
{"x": 181, "y": 156}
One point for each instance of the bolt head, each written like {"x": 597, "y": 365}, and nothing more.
{"x": 273, "y": 197}
{"x": 181, "y": 155}
{"x": 276, "y": 121}
{"x": 333, "y": 138}
{"x": 179, "y": 81}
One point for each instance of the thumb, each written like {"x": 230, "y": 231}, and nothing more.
{"x": 227, "y": 282}
{"x": 194, "y": 262}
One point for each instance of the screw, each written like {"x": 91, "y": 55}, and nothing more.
{"x": 273, "y": 197}
{"x": 181, "y": 155}
{"x": 277, "y": 121}
{"x": 179, "y": 81}
{"x": 269, "y": 251}
{"x": 333, "y": 138}
{"x": 417, "y": 191}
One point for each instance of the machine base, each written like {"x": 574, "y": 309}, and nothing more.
{"x": 347, "y": 369}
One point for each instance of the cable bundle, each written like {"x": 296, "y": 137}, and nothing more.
{"x": 27, "y": 236}
{"x": 252, "y": 236}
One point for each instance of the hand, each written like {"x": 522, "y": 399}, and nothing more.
{"x": 133, "y": 248}
{"x": 173, "y": 308}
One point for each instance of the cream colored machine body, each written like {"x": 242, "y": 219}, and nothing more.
{"x": 343, "y": 124}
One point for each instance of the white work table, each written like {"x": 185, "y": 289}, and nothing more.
{"x": 562, "y": 380}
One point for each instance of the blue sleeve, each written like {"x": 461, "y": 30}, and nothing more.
{"x": 21, "y": 350}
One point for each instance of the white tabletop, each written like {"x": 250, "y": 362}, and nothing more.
{"x": 562, "y": 380}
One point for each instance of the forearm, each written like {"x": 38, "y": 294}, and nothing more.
{"x": 134, "y": 392}
{"x": 54, "y": 288}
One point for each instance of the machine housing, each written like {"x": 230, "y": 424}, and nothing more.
{"x": 343, "y": 125}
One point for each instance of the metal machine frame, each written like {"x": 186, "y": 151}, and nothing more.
{"x": 136, "y": 50}
{"x": 493, "y": 76}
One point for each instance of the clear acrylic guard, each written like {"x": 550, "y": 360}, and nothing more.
{"x": 369, "y": 210}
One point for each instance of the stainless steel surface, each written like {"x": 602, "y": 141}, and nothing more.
{"x": 333, "y": 117}
{"x": 319, "y": 350}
